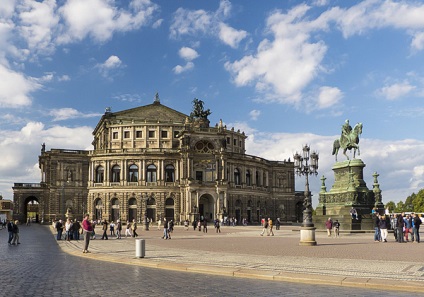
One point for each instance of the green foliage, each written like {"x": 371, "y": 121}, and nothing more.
{"x": 413, "y": 203}
{"x": 400, "y": 206}
{"x": 391, "y": 205}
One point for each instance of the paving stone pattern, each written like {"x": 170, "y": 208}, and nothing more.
{"x": 40, "y": 266}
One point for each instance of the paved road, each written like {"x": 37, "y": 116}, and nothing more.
{"x": 38, "y": 267}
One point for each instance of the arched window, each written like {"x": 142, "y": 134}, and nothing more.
{"x": 151, "y": 173}
{"x": 236, "y": 176}
{"x": 133, "y": 173}
{"x": 169, "y": 174}
{"x": 116, "y": 174}
{"x": 248, "y": 181}
{"x": 257, "y": 179}
{"x": 100, "y": 174}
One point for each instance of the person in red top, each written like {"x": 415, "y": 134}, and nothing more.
{"x": 87, "y": 230}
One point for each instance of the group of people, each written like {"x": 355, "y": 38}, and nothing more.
{"x": 403, "y": 226}
{"x": 267, "y": 227}
{"x": 71, "y": 227}
{"x": 333, "y": 228}
{"x": 168, "y": 228}
{"x": 13, "y": 229}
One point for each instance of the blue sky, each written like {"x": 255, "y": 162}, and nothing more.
{"x": 288, "y": 73}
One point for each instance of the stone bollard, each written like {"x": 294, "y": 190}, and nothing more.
{"x": 140, "y": 248}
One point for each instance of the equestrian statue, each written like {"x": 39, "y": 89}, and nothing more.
{"x": 349, "y": 139}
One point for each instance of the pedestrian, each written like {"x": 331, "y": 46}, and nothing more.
{"x": 28, "y": 223}
{"x": 170, "y": 228}
{"x": 376, "y": 223}
{"x": 416, "y": 228}
{"x": 112, "y": 228}
{"x": 199, "y": 225}
{"x": 264, "y": 227}
{"x": 118, "y": 229}
{"x": 76, "y": 229}
{"x": 205, "y": 226}
{"x": 408, "y": 227}
{"x": 400, "y": 225}
{"x": 159, "y": 223}
{"x": 383, "y": 228}
{"x": 68, "y": 230}
{"x": 88, "y": 229}
{"x": 59, "y": 229}
{"x": 217, "y": 226}
{"x": 194, "y": 225}
{"x": 15, "y": 233}
{"x": 277, "y": 224}
{"x": 134, "y": 228}
{"x": 104, "y": 229}
{"x": 165, "y": 229}
{"x": 329, "y": 226}
{"x": 186, "y": 222}
{"x": 270, "y": 225}
{"x": 336, "y": 228}
{"x": 10, "y": 230}
{"x": 128, "y": 229}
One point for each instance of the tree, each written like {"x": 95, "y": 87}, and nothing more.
{"x": 400, "y": 206}
{"x": 391, "y": 206}
{"x": 418, "y": 201}
{"x": 408, "y": 206}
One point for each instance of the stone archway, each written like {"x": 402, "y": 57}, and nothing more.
{"x": 32, "y": 209}
{"x": 207, "y": 207}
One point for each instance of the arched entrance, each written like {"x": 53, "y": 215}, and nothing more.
{"x": 206, "y": 207}
{"x": 115, "y": 209}
{"x": 32, "y": 209}
{"x": 98, "y": 204}
{"x": 132, "y": 209}
{"x": 169, "y": 209}
{"x": 238, "y": 211}
{"x": 151, "y": 209}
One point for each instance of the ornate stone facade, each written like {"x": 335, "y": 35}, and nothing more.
{"x": 154, "y": 162}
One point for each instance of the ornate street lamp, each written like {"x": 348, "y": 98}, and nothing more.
{"x": 303, "y": 167}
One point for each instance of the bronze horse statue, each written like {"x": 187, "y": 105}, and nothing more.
{"x": 348, "y": 142}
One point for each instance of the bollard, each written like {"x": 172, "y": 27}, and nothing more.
{"x": 140, "y": 248}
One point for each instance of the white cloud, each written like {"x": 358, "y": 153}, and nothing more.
{"x": 328, "y": 97}
{"x": 38, "y": 23}
{"x": 99, "y": 19}
{"x": 395, "y": 91}
{"x": 211, "y": 23}
{"x": 285, "y": 65}
{"x": 418, "y": 41}
{"x": 112, "y": 63}
{"x": 231, "y": 36}
{"x": 20, "y": 150}
{"x": 188, "y": 54}
{"x": 397, "y": 179}
{"x": 15, "y": 88}
{"x": 180, "y": 69}
{"x": 64, "y": 77}
{"x": 254, "y": 114}
{"x": 70, "y": 113}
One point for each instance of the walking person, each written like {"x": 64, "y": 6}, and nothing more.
{"x": 15, "y": 233}
{"x": 217, "y": 226}
{"x": 270, "y": 224}
{"x": 128, "y": 230}
{"x": 277, "y": 224}
{"x": 329, "y": 226}
{"x": 376, "y": 223}
{"x": 165, "y": 229}
{"x": 104, "y": 229}
{"x": 186, "y": 222}
{"x": 134, "y": 228}
{"x": 76, "y": 229}
{"x": 87, "y": 231}
{"x": 68, "y": 230}
{"x": 205, "y": 226}
{"x": 118, "y": 229}
{"x": 10, "y": 231}
{"x": 264, "y": 227}
{"x": 336, "y": 229}
{"x": 400, "y": 225}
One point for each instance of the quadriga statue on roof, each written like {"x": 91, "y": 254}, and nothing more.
{"x": 349, "y": 139}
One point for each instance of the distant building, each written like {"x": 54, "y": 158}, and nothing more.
{"x": 6, "y": 211}
{"x": 155, "y": 162}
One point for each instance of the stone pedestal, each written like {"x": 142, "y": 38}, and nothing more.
{"x": 349, "y": 190}
{"x": 307, "y": 236}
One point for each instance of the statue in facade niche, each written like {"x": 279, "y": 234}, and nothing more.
{"x": 349, "y": 139}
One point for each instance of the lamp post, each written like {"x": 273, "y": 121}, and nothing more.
{"x": 303, "y": 167}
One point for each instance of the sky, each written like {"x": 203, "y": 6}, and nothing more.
{"x": 287, "y": 73}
